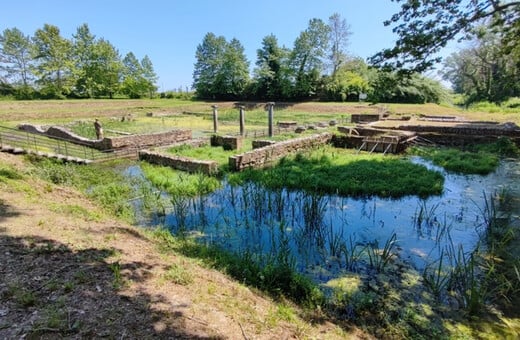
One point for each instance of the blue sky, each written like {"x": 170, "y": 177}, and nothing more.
{"x": 169, "y": 31}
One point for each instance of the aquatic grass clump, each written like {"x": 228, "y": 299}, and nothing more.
{"x": 178, "y": 183}
{"x": 459, "y": 161}
{"x": 341, "y": 172}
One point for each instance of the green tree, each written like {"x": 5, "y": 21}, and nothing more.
{"x": 149, "y": 76}
{"x": 483, "y": 72}
{"x": 52, "y": 53}
{"x": 307, "y": 56}
{"x": 108, "y": 69}
{"x": 339, "y": 34}
{"x": 424, "y": 27}
{"x": 84, "y": 58}
{"x": 210, "y": 58}
{"x": 233, "y": 76}
{"x": 271, "y": 72}
{"x": 390, "y": 87}
{"x": 16, "y": 59}
{"x": 138, "y": 77}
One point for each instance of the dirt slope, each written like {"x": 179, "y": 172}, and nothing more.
{"x": 67, "y": 271}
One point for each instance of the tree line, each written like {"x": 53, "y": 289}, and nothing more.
{"x": 487, "y": 69}
{"x": 318, "y": 66}
{"x": 47, "y": 65}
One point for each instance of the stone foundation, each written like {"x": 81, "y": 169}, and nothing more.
{"x": 365, "y": 118}
{"x": 227, "y": 142}
{"x": 179, "y": 163}
{"x": 268, "y": 154}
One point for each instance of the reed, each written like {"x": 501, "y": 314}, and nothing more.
{"x": 379, "y": 258}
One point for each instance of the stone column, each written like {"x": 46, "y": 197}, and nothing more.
{"x": 215, "y": 118}
{"x": 242, "y": 121}
{"x": 270, "y": 108}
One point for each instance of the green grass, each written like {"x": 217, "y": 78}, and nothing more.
{"x": 178, "y": 183}
{"x": 273, "y": 275}
{"x": 101, "y": 182}
{"x": 480, "y": 159}
{"x": 343, "y": 172}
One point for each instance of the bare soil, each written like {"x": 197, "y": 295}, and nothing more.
{"x": 74, "y": 275}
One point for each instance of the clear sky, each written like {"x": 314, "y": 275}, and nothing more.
{"x": 169, "y": 31}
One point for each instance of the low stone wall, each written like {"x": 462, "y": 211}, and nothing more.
{"x": 268, "y": 154}
{"x": 227, "y": 142}
{"x": 152, "y": 139}
{"x": 257, "y": 144}
{"x": 179, "y": 163}
{"x": 110, "y": 143}
{"x": 365, "y": 118}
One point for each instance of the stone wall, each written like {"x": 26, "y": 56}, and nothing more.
{"x": 227, "y": 142}
{"x": 257, "y": 144}
{"x": 110, "y": 143}
{"x": 152, "y": 139}
{"x": 179, "y": 163}
{"x": 268, "y": 154}
{"x": 365, "y": 118}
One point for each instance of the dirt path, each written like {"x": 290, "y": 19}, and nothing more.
{"x": 67, "y": 271}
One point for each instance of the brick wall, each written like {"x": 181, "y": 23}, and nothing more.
{"x": 268, "y": 154}
{"x": 179, "y": 163}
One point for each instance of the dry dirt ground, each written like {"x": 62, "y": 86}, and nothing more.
{"x": 67, "y": 271}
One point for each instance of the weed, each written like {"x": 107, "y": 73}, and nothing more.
{"x": 379, "y": 258}
{"x": 178, "y": 275}
{"x": 22, "y": 296}
{"x": 118, "y": 281}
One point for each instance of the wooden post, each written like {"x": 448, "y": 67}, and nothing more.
{"x": 215, "y": 118}
{"x": 270, "y": 108}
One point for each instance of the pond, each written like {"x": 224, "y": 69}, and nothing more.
{"x": 325, "y": 235}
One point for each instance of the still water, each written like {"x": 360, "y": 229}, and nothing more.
{"x": 314, "y": 229}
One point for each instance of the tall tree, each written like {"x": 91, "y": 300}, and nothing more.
{"x": 149, "y": 76}
{"x": 482, "y": 72}
{"x": 83, "y": 48}
{"x": 15, "y": 57}
{"x": 424, "y": 27}
{"x": 233, "y": 77}
{"x": 307, "y": 57}
{"x": 53, "y": 55}
{"x": 108, "y": 68}
{"x": 210, "y": 58}
{"x": 339, "y": 34}
{"x": 271, "y": 70}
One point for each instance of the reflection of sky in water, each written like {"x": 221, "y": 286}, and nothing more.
{"x": 251, "y": 218}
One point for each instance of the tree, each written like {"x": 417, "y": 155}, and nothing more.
{"x": 52, "y": 53}
{"x": 84, "y": 59}
{"x": 307, "y": 58}
{"x": 134, "y": 83}
{"x": 15, "y": 57}
{"x": 390, "y": 87}
{"x": 210, "y": 58}
{"x": 108, "y": 68}
{"x": 233, "y": 77}
{"x": 271, "y": 72}
{"x": 149, "y": 76}
{"x": 482, "y": 72}
{"x": 424, "y": 27}
{"x": 339, "y": 33}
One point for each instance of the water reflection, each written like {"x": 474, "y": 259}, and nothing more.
{"x": 323, "y": 233}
